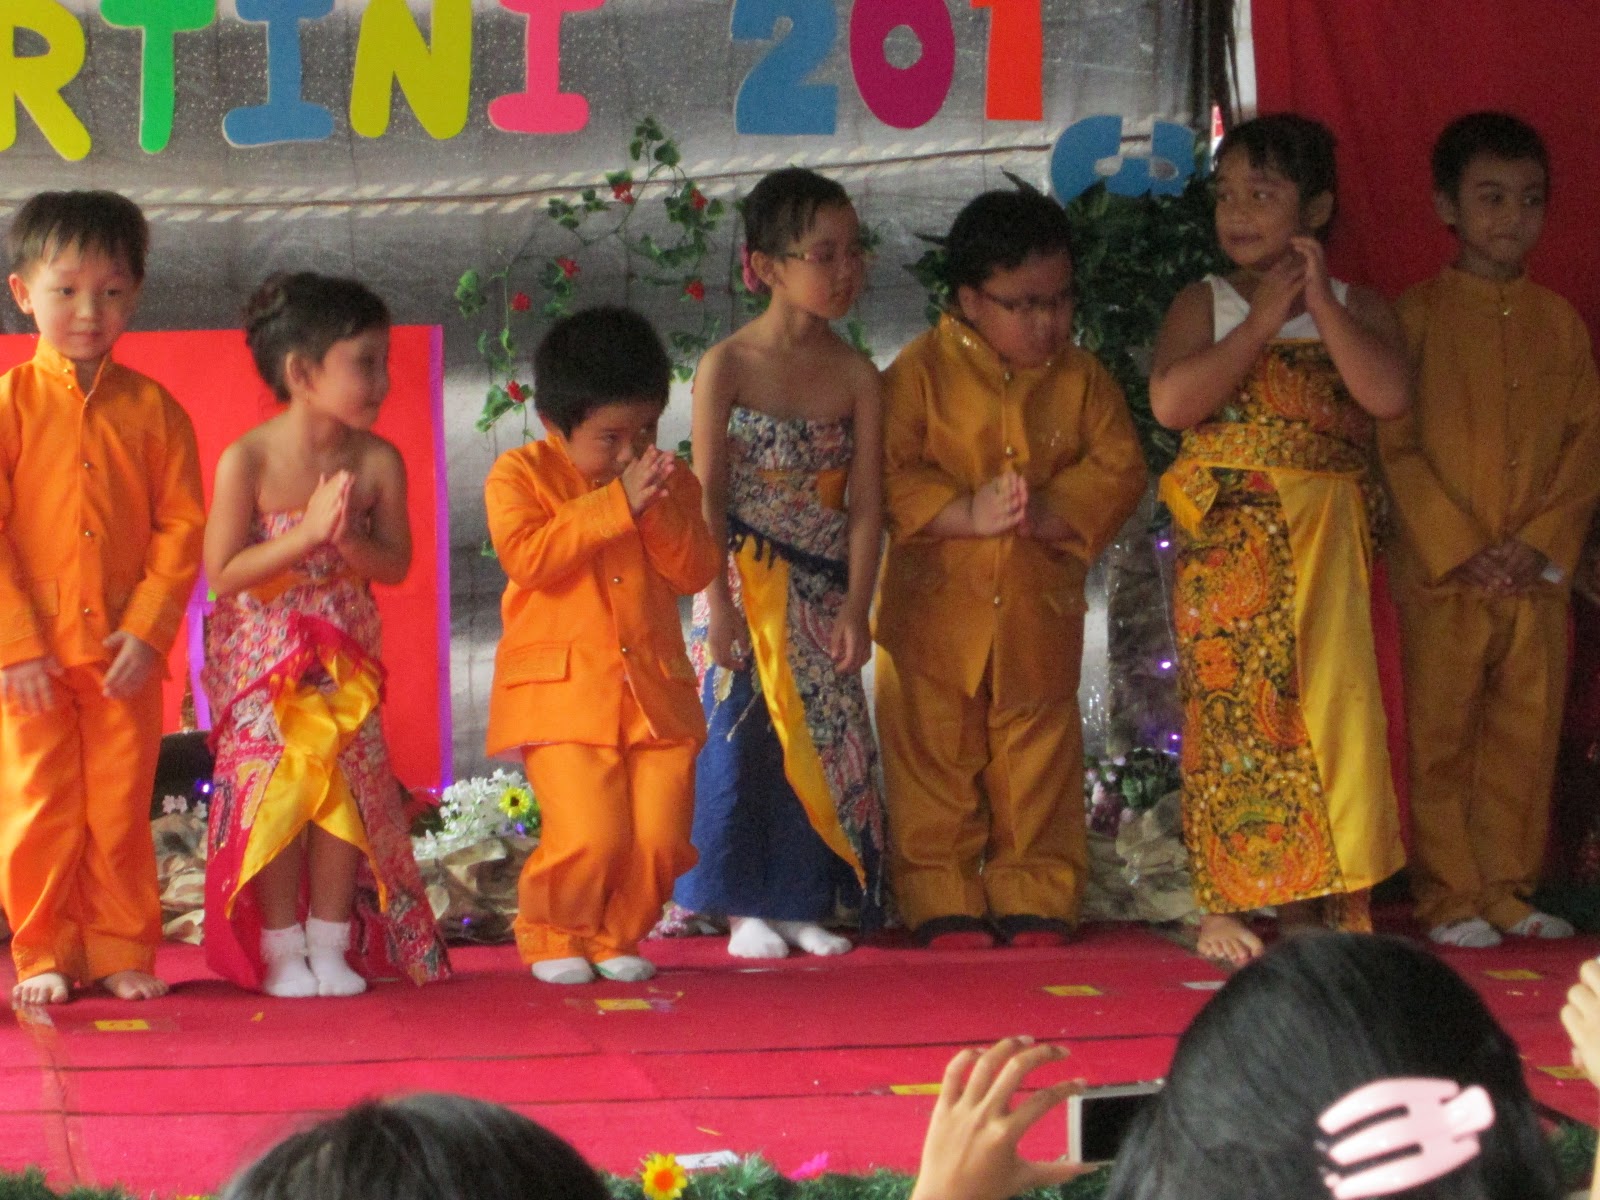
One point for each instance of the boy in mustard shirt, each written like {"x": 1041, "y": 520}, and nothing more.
{"x": 1494, "y": 473}
{"x": 1010, "y": 461}
{"x": 101, "y": 519}
{"x": 599, "y": 533}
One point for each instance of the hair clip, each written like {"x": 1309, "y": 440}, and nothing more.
{"x": 1433, "y": 1118}
{"x": 747, "y": 272}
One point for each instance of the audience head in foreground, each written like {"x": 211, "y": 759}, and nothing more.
{"x": 424, "y": 1147}
{"x": 1318, "y": 1020}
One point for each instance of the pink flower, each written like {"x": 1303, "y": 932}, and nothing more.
{"x": 811, "y": 1168}
{"x": 622, "y": 192}
{"x": 517, "y": 392}
{"x": 520, "y": 302}
{"x": 695, "y": 290}
{"x": 569, "y": 267}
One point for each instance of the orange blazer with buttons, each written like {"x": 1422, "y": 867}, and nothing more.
{"x": 955, "y": 416}
{"x": 591, "y": 603}
{"x": 101, "y": 511}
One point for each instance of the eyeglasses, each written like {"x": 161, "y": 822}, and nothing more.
{"x": 829, "y": 257}
{"x": 1030, "y": 306}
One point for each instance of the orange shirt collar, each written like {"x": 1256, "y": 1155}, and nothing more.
{"x": 57, "y": 363}
{"x": 1489, "y": 291}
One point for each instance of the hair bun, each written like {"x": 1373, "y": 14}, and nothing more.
{"x": 268, "y": 301}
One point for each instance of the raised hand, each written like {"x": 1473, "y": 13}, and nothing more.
{"x": 644, "y": 480}
{"x": 1280, "y": 292}
{"x": 1318, "y": 288}
{"x": 326, "y": 511}
{"x": 971, "y": 1149}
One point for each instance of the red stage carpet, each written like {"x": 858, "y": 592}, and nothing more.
{"x": 790, "y": 1059}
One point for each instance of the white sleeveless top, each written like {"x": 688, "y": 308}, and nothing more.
{"x": 1229, "y": 309}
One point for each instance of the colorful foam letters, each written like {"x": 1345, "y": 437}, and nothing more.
{"x": 1015, "y": 73}
{"x": 1083, "y": 144}
{"x": 35, "y": 81}
{"x": 904, "y": 97}
{"x": 775, "y": 97}
{"x": 286, "y": 116}
{"x": 542, "y": 107}
{"x": 437, "y": 82}
{"x": 162, "y": 21}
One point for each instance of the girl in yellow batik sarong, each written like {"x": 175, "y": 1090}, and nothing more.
{"x": 307, "y": 837}
{"x": 1275, "y": 375}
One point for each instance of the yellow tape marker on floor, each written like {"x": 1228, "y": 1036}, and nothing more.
{"x": 132, "y": 1026}
{"x": 1074, "y": 989}
{"x": 623, "y": 1005}
{"x": 914, "y": 1089}
{"x": 1564, "y": 1072}
{"x": 1514, "y": 973}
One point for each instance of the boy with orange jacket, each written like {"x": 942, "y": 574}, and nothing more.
{"x": 101, "y": 518}
{"x": 599, "y": 533}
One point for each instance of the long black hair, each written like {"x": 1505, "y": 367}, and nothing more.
{"x": 1315, "y": 1018}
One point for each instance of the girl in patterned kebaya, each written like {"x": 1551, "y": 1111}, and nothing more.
{"x": 1275, "y": 373}
{"x": 787, "y": 428}
{"x": 310, "y": 866}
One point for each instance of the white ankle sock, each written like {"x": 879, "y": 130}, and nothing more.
{"x": 754, "y": 938}
{"x": 1469, "y": 933}
{"x": 288, "y": 974}
{"x": 326, "y": 942}
{"x": 626, "y": 968}
{"x": 563, "y": 970}
{"x": 1542, "y": 925}
{"x": 812, "y": 938}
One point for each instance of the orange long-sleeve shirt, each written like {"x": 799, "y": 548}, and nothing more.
{"x": 590, "y": 605}
{"x": 954, "y": 417}
{"x": 1504, "y": 439}
{"x": 101, "y": 511}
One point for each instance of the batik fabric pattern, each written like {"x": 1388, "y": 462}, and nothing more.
{"x": 295, "y": 683}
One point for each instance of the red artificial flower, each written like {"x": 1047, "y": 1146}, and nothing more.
{"x": 623, "y": 192}
{"x": 695, "y": 290}
{"x": 569, "y": 267}
{"x": 697, "y": 200}
{"x": 517, "y": 392}
{"x": 520, "y": 302}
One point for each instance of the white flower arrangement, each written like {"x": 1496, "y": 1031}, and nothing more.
{"x": 473, "y": 810}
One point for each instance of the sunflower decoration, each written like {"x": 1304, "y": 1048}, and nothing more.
{"x": 663, "y": 1177}
{"x": 517, "y": 802}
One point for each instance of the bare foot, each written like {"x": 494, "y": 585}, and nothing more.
{"x": 47, "y": 987}
{"x": 133, "y": 985}
{"x": 1226, "y": 938}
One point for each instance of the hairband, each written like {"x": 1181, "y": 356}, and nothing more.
{"x": 747, "y": 271}
{"x": 1433, "y": 1118}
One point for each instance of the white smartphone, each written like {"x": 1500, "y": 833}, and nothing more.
{"x": 1098, "y": 1118}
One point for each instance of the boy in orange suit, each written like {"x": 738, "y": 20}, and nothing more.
{"x": 1010, "y": 461}
{"x": 599, "y": 532}
{"x": 1494, "y": 474}
{"x": 101, "y": 519}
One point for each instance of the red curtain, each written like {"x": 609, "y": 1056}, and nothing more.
{"x": 1388, "y": 75}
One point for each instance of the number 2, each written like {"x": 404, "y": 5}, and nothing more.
{"x": 775, "y": 97}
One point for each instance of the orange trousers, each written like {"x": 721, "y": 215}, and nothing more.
{"x": 985, "y": 803}
{"x": 613, "y": 837}
{"x": 1485, "y": 677}
{"x": 77, "y": 863}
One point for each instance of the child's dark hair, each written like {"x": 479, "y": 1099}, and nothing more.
{"x": 54, "y": 221}
{"x": 781, "y": 207}
{"x": 998, "y": 230}
{"x": 1299, "y": 1029}
{"x": 305, "y": 313}
{"x": 597, "y": 356}
{"x": 1296, "y": 147}
{"x": 1496, "y": 134}
{"x": 424, "y": 1147}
